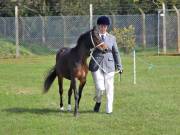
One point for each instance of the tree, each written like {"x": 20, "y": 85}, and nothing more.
{"x": 77, "y": 7}
{"x": 6, "y": 8}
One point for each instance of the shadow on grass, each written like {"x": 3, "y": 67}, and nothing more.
{"x": 21, "y": 110}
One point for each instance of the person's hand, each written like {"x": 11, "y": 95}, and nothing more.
{"x": 120, "y": 69}
{"x": 120, "y": 72}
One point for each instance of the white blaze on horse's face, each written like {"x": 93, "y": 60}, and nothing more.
{"x": 102, "y": 28}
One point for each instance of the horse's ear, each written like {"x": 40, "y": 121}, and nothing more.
{"x": 94, "y": 28}
{"x": 96, "y": 32}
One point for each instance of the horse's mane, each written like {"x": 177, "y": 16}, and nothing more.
{"x": 81, "y": 37}
{"x": 84, "y": 36}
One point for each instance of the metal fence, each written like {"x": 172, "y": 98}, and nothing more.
{"x": 54, "y": 32}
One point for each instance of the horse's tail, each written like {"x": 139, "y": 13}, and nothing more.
{"x": 49, "y": 79}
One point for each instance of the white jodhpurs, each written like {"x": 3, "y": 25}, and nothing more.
{"x": 104, "y": 82}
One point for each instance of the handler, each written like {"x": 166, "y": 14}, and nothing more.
{"x": 104, "y": 66}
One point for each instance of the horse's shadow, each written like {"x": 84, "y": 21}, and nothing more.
{"x": 40, "y": 111}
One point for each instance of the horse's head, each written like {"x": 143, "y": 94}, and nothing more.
{"x": 96, "y": 40}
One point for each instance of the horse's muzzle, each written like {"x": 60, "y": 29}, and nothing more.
{"x": 106, "y": 50}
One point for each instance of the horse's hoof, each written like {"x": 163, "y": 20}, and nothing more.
{"x": 69, "y": 108}
{"x": 61, "y": 108}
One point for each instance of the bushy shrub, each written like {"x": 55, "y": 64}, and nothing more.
{"x": 125, "y": 38}
{"x": 8, "y": 49}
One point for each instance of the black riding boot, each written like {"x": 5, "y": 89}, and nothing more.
{"x": 96, "y": 107}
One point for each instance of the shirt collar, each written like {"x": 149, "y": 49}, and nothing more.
{"x": 105, "y": 34}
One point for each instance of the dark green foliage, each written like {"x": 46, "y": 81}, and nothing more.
{"x": 76, "y": 7}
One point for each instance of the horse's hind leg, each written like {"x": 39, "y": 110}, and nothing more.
{"x": 81, "y": 86}
{"x": 69, "y": 97}
{"x": 60, "y": 82}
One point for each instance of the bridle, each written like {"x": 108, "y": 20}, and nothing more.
{"x": 91, "y": 52}
{"x": 95, "y": 46}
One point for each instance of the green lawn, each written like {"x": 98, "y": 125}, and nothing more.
{"x": 151, "y": 107}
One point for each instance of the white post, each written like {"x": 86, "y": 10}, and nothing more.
{"x": 43, "y": 29}
{"x": 134, "y": 65}
{"x": 164, "y": 28}
{"x": 158, "y": 31}
{"x": 144, "y": 27}
{"x": 178, "y": 29}
{"x": 17, "y": 31}
{"x": 64, "y": 30}
{"x": 91, "y": 16}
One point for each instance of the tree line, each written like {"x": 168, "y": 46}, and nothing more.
{"x": 81, "y": 7}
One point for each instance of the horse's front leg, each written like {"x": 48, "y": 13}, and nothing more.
{"x": 81, "y": 86}
{"x": 76, "y": 96}
{"x": 60, "y": 82}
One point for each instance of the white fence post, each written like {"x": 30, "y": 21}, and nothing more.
{"x": 178, "y": 29}
{"x": 144, "y": 27}
{"x": 17, "y": 31}
{"x": 158, "y": 33}
{"x": 43, "y": 19}
{"x": 164, "y": 28}
{"x": 64, "y": 32}
{"x": 91, "y": 16}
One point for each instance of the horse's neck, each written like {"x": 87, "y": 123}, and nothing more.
{"x": 81, "y": 53}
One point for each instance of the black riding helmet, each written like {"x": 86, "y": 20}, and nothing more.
{"x": 104, "y": 20}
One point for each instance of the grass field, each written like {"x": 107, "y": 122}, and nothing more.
{"x": 151, "y": 107}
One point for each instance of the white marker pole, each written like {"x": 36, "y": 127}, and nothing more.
{"x": 134, "y": 65}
